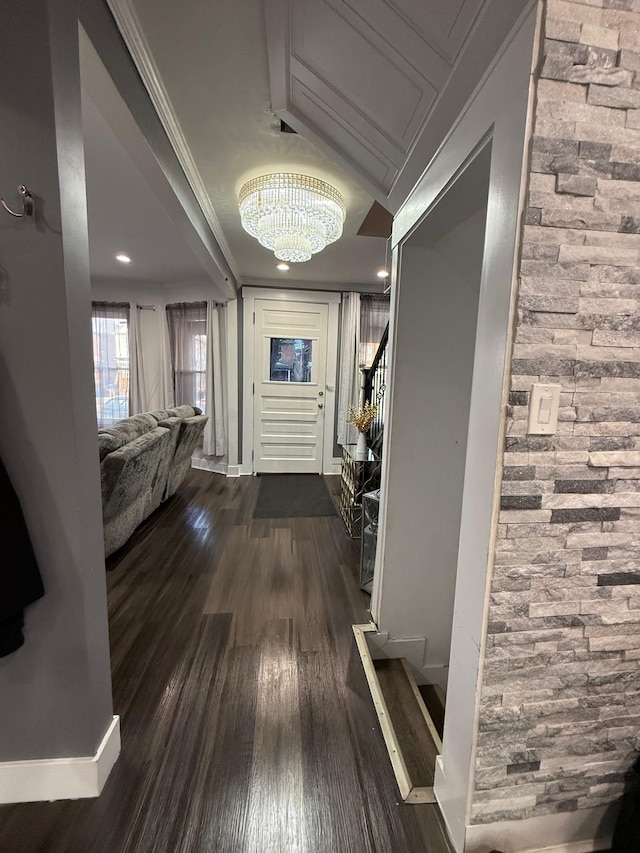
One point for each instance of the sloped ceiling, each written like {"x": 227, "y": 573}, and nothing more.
{"x": 371, "y": 86}
{"x": 364, "y": 78}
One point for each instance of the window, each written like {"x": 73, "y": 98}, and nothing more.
{"x": 374, "y": 316}
{"x": 188, "y": 336}
{"x": 290, "y": 360}
{"x": 110, "y": 327}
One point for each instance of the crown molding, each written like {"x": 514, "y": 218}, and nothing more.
{"x": 137, "y": 45}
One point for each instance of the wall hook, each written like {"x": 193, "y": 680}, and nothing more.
{"x": 27, "y": 203}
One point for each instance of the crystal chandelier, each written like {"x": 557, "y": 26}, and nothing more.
{"x": 293, "y": 215}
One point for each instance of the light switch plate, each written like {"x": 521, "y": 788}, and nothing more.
{"x": 544, "y": 402}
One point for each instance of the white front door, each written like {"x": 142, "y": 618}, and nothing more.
{"x": 289, "y": 392}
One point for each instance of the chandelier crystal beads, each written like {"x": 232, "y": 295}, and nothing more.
{"x": 293, "y": 215}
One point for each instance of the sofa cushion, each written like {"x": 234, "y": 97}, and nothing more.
{"x": 159, "y": 485}
{"x": 191, "y": 430}
{"x": 186, "y": 411}
{"x": 107, "y": 443}
{"x": 176, "y": 412}
{"x": 122, "y": 432}
{"x": 127, "y": 477}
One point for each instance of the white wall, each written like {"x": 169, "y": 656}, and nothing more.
{"x": 435, "y": 316}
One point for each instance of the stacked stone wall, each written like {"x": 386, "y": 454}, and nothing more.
{"x": 560, "y": 713}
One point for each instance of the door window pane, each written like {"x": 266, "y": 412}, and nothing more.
{"x": 290, "y": 360}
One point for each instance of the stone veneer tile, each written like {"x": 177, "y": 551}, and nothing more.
{"x": 560, "y": 711}
{"x": 595, "y": 553}
{"x": 619, "y": 579}
{"x": 568, "y": 516}
{"x": 521, "y": 502}
{"x": 583, "y": 486}
{"x": 619, "y": 458}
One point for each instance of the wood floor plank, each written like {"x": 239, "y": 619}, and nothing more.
{"x": 414, "y": 739}
{"x": 247, "y": 724}
{"x": 432, "y": 697}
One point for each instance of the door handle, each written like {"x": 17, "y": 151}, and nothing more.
{"x": 320, "y": 393}
{"x": 319, "y": 405}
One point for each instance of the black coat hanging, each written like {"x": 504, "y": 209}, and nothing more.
{"x": 20, "y": 581}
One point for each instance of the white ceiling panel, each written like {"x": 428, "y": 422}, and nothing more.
{"x": 378, "y": 69}
{"x": 372, "y": 82}
{"x": 442, "y": 25}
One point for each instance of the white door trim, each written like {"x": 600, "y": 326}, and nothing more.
{"x": 332, "y": 300}
{"x": 499, "y": 110}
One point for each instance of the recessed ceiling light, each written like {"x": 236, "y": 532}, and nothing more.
{"x": 124, "y": 259}
{"x": 282, "y": 267}
{"x": 382, "y": 273}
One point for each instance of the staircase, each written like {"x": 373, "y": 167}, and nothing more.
{"x": 406, "y": 714}
{"x": 375, "y": 385}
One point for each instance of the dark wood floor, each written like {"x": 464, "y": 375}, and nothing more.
{"x": 247, "y": 726}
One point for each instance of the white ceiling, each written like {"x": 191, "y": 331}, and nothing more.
{"x": 211, "y": 59}
{"x": 125, "y": 215}
{"x": 373, "y": 86}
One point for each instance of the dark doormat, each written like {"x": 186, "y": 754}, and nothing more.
{"x": 293, "y": 496}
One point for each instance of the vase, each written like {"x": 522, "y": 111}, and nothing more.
{"x": 361, "y": 447}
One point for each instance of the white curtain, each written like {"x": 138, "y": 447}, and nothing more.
{"x": 215, "y": 437}
{"x": 138, "y": 399}
{"x": 349, "y": 388}
{"x": 110, "y": 328}
{"x": 158, "y": 370}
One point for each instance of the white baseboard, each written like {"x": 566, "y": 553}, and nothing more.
{"x": 335, "y": 466}
{"x": 204, "y": 464}
{"x": 233, "y": 470}
{"x": 583, "y": 831}
{"x": 61, "y": 778}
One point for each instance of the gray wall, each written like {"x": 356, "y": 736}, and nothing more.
{"x": 55, "y": 692}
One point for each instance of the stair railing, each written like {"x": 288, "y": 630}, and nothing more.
{"x": 375, "y": 379}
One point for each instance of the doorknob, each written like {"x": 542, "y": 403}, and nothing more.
{"x": 320, "y": 393}
{"x": 319, "y": 405}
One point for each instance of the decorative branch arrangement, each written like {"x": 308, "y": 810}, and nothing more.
{"x": 362, "y": 418}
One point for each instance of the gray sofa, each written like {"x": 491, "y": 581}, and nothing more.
{"x": 143, "y": 461}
